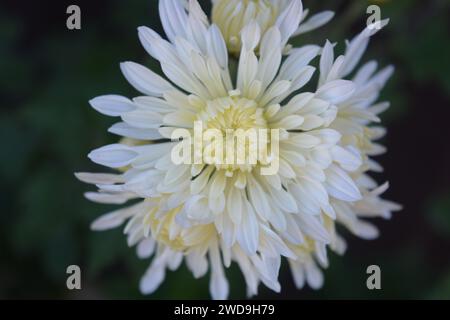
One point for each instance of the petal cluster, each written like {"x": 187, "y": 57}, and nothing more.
{"x": 210, "y": 215}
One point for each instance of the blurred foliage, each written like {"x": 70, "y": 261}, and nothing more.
{"x": 49, "y": 73}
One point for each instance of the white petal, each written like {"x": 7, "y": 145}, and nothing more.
{"x": 176, "y": 173}
{"x": 312, "y": 226}
{"x": 217, "y": 205}
{"x": 145, "y": 248}
{"x": 173, "y": 17}
{"x": 284, "y": 200}
{"x": 99, "y": 178}
{"x": 365, "y": 72}
{"x": 293, "y": 233}
{"x": 197, "y": 263}
{"x": 125, "y": 130}
{"x": 217, "y": 47}
{"x": 218, "y": 285}
{"x": 289, "y": 20}
{"x": 383, "y": 76}
{"x": 114, "y": 155}
{"x": 151, "y": 153}
{"x": 321, "y": 254}
{"x": 316, "y": 21}
{"x": 336, "y": 91}
{"x": 228, "y": 233}
{"x": 248, "y": 231}
{"x": 154, "y": 104}
{"x": 298, "y": 274}
{"x": 304, "y": 140}
{"x": 290, "y": 122}
{"x": 379, "y": 108}
{"x": 357, "y": 47}
{"x": 269, "y": 268}
{"x": 147, "y": 37}
{"x": 270, "y": 56}
{"x": 326, "y": 61}
{"x": 250, "y": 36}
{"x": 297, "y": 60}
{"x": 321, "y": 156}
{"x": 340, "y": 185}
{"x": 286, "y": 170}
{"x": 200, "y": 182}
{"x": 273, "y": 245}
{"x": 112, "y": 105}
{"x": 348, "y": 159}
{"x": 175, "y": 262}
{"x": 366, "y": 230}
{"x": 108, "y": 198}
{"x": 218, "y": 184}
{"x": 235, "y": 205}
{"x": 197, "y": 207}
{"x": 182, "y": 118}
{"x": 329, "y": 137}
{"x": 258, "y": 198}
{"x": 108, "y": 221}
{"x": 152, "y": 279}
{"x": 314, "y": 276}
{"x": 307, "y": 205}
{"x": 144, "y": 80}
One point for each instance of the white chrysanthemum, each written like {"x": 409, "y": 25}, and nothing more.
{"x": 211, "y": 215}
{"x": 231, "y": 16}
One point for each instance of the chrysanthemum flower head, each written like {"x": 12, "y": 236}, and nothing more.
{"x": 210, "y": 213}
{"x": 290, "y": 18}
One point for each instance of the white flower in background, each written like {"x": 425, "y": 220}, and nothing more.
{"x": 231, "y": 16}
{"x": 212, "y": 215}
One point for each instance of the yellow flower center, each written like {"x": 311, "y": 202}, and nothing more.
{"x": 232, "y": 113}
{"x": 235, "y": 134}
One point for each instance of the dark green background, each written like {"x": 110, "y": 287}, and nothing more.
{"x": 47, "y": 76}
